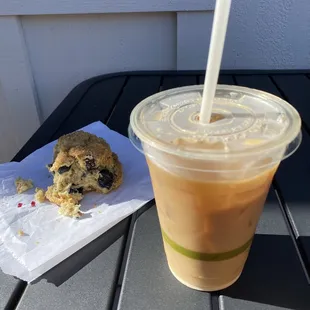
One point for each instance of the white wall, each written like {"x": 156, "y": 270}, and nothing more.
{"x": 65, "y": 50}
{"x": 47, "y": 47}
{"x": 268, "y": 34}
{"x": 262, "y": 34}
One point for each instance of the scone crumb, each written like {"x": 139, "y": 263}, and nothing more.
{"x": 40, "y": 195}
{"x": 70, "y": 209}
{"x": 20, "y": 233}
{"x": 23, "y": 185}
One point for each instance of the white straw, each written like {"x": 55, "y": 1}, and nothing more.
{"x": 219, "y": 28}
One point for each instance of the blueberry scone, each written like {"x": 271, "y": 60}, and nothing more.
{"x": 82, "y": 163}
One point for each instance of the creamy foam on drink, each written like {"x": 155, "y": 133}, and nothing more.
{"x": 211, "y": 181}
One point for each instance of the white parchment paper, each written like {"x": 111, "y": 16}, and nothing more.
{"x": 49, "y": 237}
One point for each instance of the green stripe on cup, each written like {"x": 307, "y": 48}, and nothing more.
{"x": 211, "y": 257}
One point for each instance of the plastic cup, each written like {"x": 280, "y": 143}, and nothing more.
{"x": 211, "y": 181}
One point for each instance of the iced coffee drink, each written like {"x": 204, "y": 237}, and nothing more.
{"x": 211, "y": 181}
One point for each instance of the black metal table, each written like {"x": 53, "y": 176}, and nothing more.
{"x": 126, "y": 268}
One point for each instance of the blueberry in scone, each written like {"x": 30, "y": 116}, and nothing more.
{"x": 82, "y": 163}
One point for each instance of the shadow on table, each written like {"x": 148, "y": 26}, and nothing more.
{"x": 305, "y": 245}
{"x": 274, "y": 276}
{"x": 70, "y": 266}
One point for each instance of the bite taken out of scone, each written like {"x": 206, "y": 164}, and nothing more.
{"x": 82, "y": 163}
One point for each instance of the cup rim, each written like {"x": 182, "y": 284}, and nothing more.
{"x": 293, "y": 136}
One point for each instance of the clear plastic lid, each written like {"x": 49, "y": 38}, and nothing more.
{"x": 243, "y": 121}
